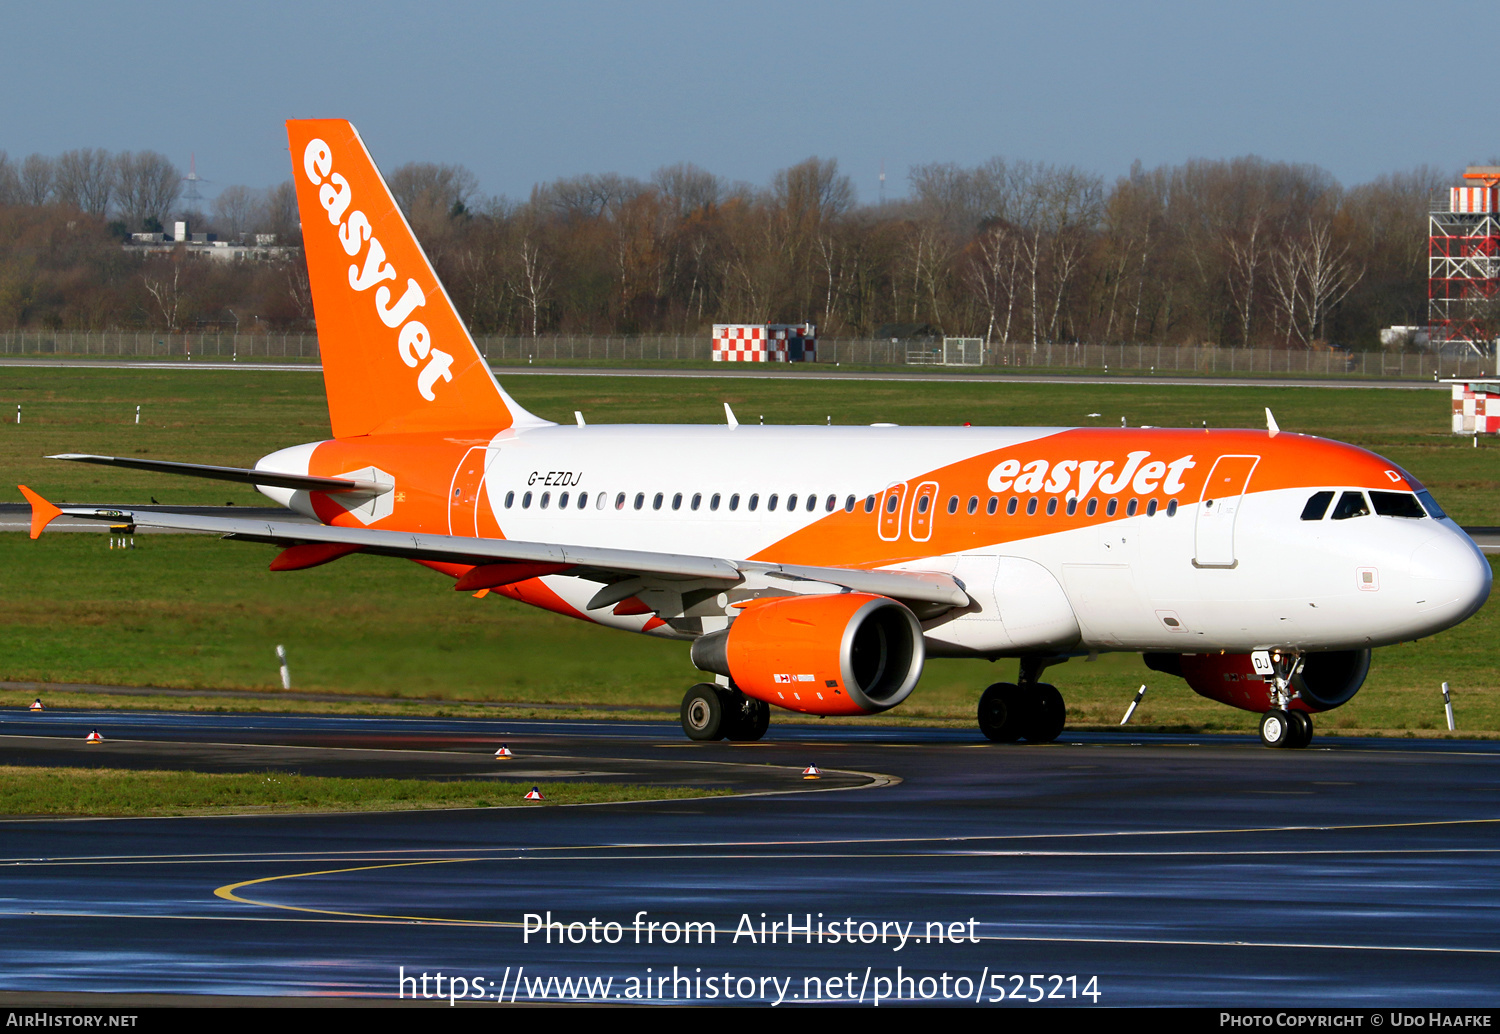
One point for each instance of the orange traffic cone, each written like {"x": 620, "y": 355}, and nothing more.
{"x": 93, "y": 737}
{"x": 503, "y": 754}
{"x": 811, "y": 772}
{"x": 535, "y": 795}
{"x": 36, "y": 705}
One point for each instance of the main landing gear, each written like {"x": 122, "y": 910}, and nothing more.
{"x": 1281, "y": 726}
{"x": 1033, "y": 711}
{"x": 713, "y": 712}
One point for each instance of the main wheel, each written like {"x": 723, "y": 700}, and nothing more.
{"x": 1276, "y": 728}
{"x": 703, "y": 712}
{"x": 1003, "y": 712}
{"x": 1302, "y": 729}
{"x": 1048, "y": 714}
{"x": 745, "y": 718}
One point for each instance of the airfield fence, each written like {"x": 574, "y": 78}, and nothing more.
{"x": 1120, "y": 358}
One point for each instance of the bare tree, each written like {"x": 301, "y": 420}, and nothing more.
{"x": 165, "y": 286}
{"x": 1329, "y": 275}
{"x": 994, "y": 273}
{"x": 10, "y": 181}
{"x": 86, "y": 179}
{"x": 686, "y": 188}
{"x": 281, "y": 212}
{"x": 147, "y": 186}
{"x": 531, "y": 277}
{"x": 237, "y": 209}
{"x": 425, "y": 189}
{"x": 38, "y": 177}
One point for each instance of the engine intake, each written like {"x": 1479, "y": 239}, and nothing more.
{"x": 848, "y": 653}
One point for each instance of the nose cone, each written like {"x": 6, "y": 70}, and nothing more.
{"x": 1450, "y": 578}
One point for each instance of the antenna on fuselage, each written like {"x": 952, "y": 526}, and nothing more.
{"x": 730, "y": 418}
{"x": 1271, "y": 423}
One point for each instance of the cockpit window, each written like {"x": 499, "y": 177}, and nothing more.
{"x": 1351, "y": 504}
{"x": 1397, "y": 504}
{"x": 1433, "y": 509}
{"x": 1317, "y": 506}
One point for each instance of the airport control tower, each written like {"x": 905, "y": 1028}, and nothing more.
{"x": 1463, "y": 265}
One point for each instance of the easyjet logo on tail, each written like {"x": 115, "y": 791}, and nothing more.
{"x": 413, "y": 340}
{"x": 1139, "y": 473}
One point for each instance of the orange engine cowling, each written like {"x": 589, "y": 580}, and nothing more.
{"x": 849, "y": 653}
{"x": 1325, "y": 681}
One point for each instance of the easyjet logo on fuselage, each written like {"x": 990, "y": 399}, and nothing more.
{"x": 1140, "y": 473}
{"x": 413, "y": 340}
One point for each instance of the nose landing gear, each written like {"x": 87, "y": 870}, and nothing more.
{"x": 1282, "y": 726}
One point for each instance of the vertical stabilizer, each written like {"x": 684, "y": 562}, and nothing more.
{"x": 396, "y": 356}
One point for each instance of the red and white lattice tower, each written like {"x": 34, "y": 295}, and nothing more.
{"x": 1463, "y": 264}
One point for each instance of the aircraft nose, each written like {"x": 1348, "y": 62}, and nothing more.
{"x": 1451, "y": 577}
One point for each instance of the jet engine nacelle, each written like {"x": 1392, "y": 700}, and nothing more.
{"x": 848, "y": 653}
{"x": 1326, "y": 681}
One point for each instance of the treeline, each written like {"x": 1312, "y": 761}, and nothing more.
{"x": 1238, "y": 252}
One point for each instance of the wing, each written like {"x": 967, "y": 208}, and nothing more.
{"x": 243, "y": 475}
{"x": 624, "y": 572}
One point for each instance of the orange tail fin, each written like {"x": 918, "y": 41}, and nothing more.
{"x": 396, "y": 355}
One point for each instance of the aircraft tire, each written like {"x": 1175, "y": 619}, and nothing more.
{"x": 1302, "y": 729}
{"x": 1003, "y": 712}
{"x": 1048, "y": 714}
{"x": 745, "y": 718}
{"x": 703, "y": 712}
{"x": 1276, "y": 728}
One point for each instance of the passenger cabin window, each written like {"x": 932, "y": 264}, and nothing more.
{"x": 583, "y": 500}
{"x": 640, "y": 500}
{"x": 1031, "y": 506}
{"x": 656, "y": 501}
{"x": 894, "y": 500}
{"x": 1072, "y": 506}
{"x": 1317, "y": 506}
{"x": 1051, "y": 506}
{"x": 849, "y": 504}
{"x": 713, "y": 502}
{"x": 1010, "y": 506}
{"x": 1111, "y": 507}
{"x": 1151, "y": 508}
{"x": 1130, "y": 507}
{"x": 953, "y": 504}
{"x": 812, "y": 503}
{"x": 1093, "y": 507}
{"x": 620, "y": 501}
{"x": 510, "y": 498}
{"x": 753, "y": 503}
{"x": 677, "y": 501}
{"x": 869, "y": 504}
{"x": 770, "y": 501}
{"x": 546, "y": 498}
{"x": 992, "y": 505}
{"x": 562, "y": 501}
{"x": 734, "y": 501}
{"x": 1396, "y": 504}
{"x": 526, "y": 501}
{"x": 1171, "y": 508}
{"x": 973, "y": 504}
{"x": 697, "y": 500}
{"x": 1351, "y": 504}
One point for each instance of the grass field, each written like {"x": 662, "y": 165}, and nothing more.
{"x": 118, "y": 792}
{"x": 191, "y": 612}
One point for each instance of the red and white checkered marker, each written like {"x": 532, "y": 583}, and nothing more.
{"x": 503, "y": 754}
{"x": 535, "y": 795}
{"x": 93, "y": 737}
{"x": 36, "y": 705}
{"x": 811, "y": 772}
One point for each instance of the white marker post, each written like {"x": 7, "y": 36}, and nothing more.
{"x": 1448, "y": 706}
{"x": 1133, "y": 704}
{"x": 137, "y": 414}
{"x": 18, "y": 412}
{"x": 286, "y": 675}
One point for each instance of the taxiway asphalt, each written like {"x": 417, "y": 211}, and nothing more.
{"x": 1175, "y": 869}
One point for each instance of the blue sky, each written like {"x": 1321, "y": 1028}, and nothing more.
{"x": 525, "y": 93}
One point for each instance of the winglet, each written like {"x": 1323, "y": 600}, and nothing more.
{"x": 43, "y": 513}
{"x": 1271, "y": 423}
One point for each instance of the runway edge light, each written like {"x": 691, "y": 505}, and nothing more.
{"x": 535, "y": 795}
{"x": 503, "y": 754}
{"x": 93, "y": 737}
{"x": 36, "y": 705}
{"x": 811, "y": 772}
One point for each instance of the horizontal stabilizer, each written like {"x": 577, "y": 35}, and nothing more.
{"x": 243, "y": 475}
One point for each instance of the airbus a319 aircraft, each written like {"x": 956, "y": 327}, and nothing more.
{"x": 816, "y": 568}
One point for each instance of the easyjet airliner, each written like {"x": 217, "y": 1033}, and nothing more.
{"x": 816, "y": 568}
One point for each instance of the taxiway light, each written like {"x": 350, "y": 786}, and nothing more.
{"x": 811, "y": 772}
{"x": 36, "y": 705}
{"x": 503, "y": 754}
{"x": 534, "y": 795}
{"x": 93, "y": 737}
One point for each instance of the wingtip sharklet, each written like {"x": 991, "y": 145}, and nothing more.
{"x": 43, "y": 513}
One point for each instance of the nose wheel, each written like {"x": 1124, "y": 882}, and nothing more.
{"x": 1281, "y": 728}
